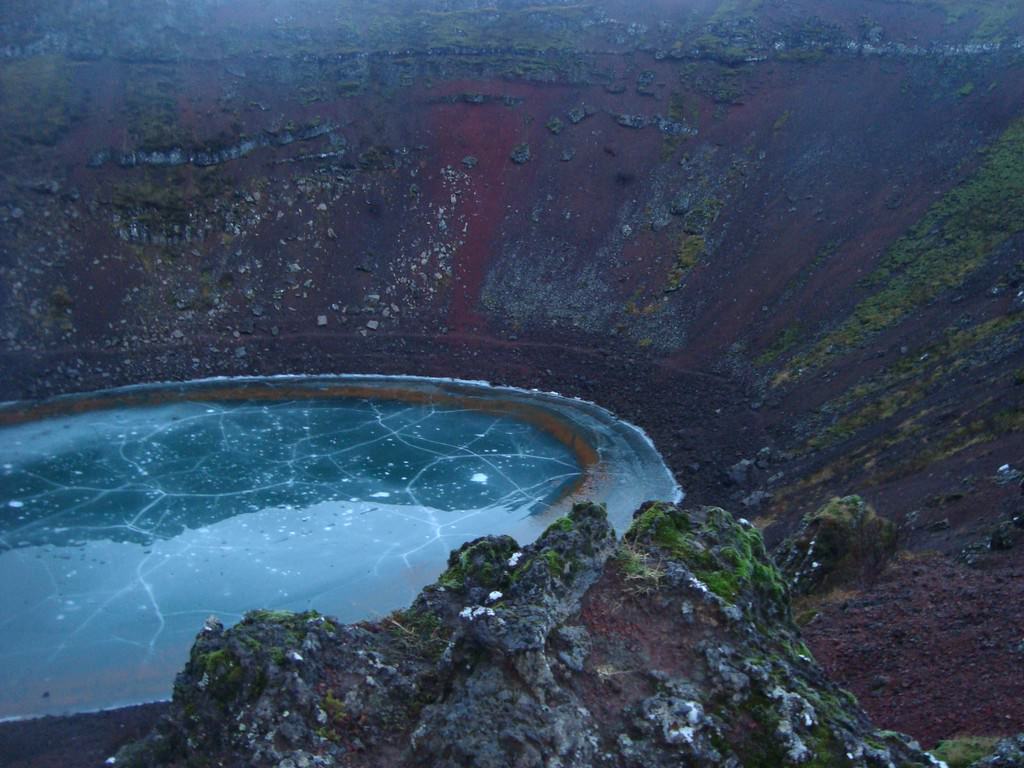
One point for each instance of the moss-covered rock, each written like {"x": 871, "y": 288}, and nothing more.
{"x": 964, "y": 751}
{"x": 725, "y": 555}
{"x": 1008, "y": 753}
{"x": 529, "y": 657}
{"x": 843, "y": 541}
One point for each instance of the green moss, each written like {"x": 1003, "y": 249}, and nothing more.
{"x": 223, "y": 674}
{"x": 556, "y": 563}
{"x": 782, "y": 344}
{"x": 484, "y": 561}
{"x": 539, "y": 28}
{"x": 733, "y": 560}
{"x": 725, "y": 584}
{"x": 165, "y": 201}
{"x": 845, "y": 539}
{"x": 914, "y": 377}
{"x": 757, "y": 747}
{"x": 281, "y": 617}
{"x": 964, "y": 750}
{"x": 676, "y": 107}
{"x": 295, "y": 625}
{"x": 333, "y": 706}
{"x": 563, "y": 524}
{"x": 722, "y": 50}
{"x": 689, "y": 250}
{"x": 699, "y": 218}
{"x": 954, "y": 239}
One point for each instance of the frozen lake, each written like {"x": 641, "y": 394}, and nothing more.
{"x": 124, "y": 526}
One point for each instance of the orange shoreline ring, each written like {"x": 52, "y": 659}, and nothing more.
{"x": 480, "y": 397}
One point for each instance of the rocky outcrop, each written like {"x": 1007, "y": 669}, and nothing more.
{"x": 842, "y": 541}
{"x": 672, "y": 647}
{"x": 1008, "y": 753}
{"x": 206, "y": 156}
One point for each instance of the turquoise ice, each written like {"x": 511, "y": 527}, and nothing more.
{"x": 122, "y": 530}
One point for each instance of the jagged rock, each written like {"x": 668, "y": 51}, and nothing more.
{"x": 681, "y": 204}
{"x": 1007, "y": 474}
{"x": 672, "y": 127}
{"x": 1002, "y": 538}
{"x": 631, "y": 121}
{"x": 645, "y": 83}
{"x": 578, "y": 114}
{"x": 521, "y": 154}
{"x": 208, "y": 156}
{"x": 555, "y": 125}
{"x": 842, "y": 540}
{"x": 756, "y": 499}
{"x": 672, "y": 647}
{"x": 739, "y": 473}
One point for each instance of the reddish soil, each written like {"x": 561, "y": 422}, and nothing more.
{"x": 934, "y": 649}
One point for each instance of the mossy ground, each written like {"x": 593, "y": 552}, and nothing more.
{"x": 955, "y": 237}
{"x": 914, "y": 377}
{"x": 964, "y": 750}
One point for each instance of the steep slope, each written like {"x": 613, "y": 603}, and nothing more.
{"x": 789, "y": 225}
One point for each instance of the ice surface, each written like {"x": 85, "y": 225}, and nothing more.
{"x": 121, "y": 530}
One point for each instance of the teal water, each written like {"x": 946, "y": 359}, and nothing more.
{"x": 121, "y": 530}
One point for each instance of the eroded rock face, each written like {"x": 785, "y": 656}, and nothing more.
{"x": 672, "y": 647}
